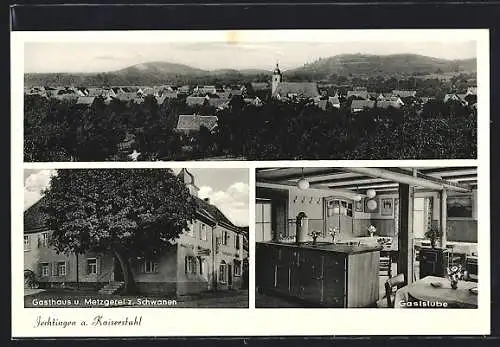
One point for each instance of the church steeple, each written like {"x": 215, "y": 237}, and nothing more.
{"x": 276, "y": 80}
{"x": 187, "y": 177}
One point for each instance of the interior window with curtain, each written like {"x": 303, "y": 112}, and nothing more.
{"x": 419, "y": 220}
{"x": 263, "y": 220}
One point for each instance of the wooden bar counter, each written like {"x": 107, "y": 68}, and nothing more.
{"x": 326, "y": 274}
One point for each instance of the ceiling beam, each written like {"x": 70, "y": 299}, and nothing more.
{"x": 445, "y": 171}
{"x": 406, "y": 178}
{"x": 343, "y": 192}
{"x": 353, "y": 182}
{"x": 289, "y": 173}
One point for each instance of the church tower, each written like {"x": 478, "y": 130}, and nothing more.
{"x": 277, "y": 78}
{"x": 188, "y": 179}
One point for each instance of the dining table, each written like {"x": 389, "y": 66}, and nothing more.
{"x": 436, "y": 292}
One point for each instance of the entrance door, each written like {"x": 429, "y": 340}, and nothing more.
{"x": 229, "y": 275}
{"x": 118, "y": 273}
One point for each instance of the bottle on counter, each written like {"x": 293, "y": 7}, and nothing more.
{"x": 302, "y": 228}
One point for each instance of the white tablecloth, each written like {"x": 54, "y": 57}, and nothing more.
{"x": 401, "y": 296}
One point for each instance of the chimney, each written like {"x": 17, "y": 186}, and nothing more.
{"x": 207, "y": 200}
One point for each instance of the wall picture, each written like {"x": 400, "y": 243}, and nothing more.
{"x": 459, "y": 206}
{"x": 372, "y": 205}
{"x": 359, "y": 205}
{"x": 386, "y": 207}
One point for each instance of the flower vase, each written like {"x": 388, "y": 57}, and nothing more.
{"x": 433, "y": 243}
{"x": 314, "y": 241}
{"x": 371, "y": 234}
{"x": 453, "y": 283}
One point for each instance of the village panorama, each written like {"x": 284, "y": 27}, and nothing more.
{"x": 351, "y": 106}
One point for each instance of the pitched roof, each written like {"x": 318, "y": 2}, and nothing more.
{"x": 148, "y": 91}
{"x": 404, "y": 93}
{"x": 358, "y": 93}
{"x": 223, "y": 94}
{"x": 67, "y": 97}
{"x": 236, "y": 92}
{"x": 334, "y": 100}
{"x": 472, "y": 90}
{"x": 127, "y": 96}
{"x": 449, "y": 97}
{"x": 219, "y": 216}
{"x": 301, "y": 89}
{"x": 361, "y": 104}
{"x": 387, "y": 104}
{"x": 85, "y": 100}
{"x": 195, "y": 122}
{"x": 218, "y": 102}
{"x": 34, "y": 218}
{"x": 166, "y": 95}
{"x": 195, "y": 100}
{"x": 95, "y": 92}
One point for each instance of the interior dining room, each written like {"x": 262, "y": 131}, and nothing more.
{"x": 351, "y": 237}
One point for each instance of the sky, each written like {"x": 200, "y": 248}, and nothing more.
{"x": 226, "y": 188}
{"x": 88, "y": 57}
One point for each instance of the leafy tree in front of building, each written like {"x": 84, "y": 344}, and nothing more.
{"x": 128, "y": 212}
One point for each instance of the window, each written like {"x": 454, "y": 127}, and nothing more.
{"x": 418, "y": 218}
{"x": 190, "y": 263}
{"x": 237, "y": 242}
{"x": 190, "y": 231}
{"x": 263, "y": 220}
{"x": 203, "y": 232}
{"x": 91, "y": 266}
{"x": 203, "y": 265}
{"x": 61, "y": 268}
{"x": 223, "y": 271}
{"x": 225, "y": 237}
{"x": 150, "y": 266}
{"x": 27, "y": 243}
{"x": 44, "y": 239}
{"x": 45, "y": 269}
{"x": 237, "y": 268}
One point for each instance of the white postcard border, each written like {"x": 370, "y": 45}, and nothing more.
{"x": 255, "y": 322}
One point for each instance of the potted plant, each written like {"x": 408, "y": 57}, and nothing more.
{"x": 333, "y": 233}
{"x": 454, "y": 274}
{"x": 372, "y": 230}
{"x": 314, "y": 234}
{"x": 433, "y": 234}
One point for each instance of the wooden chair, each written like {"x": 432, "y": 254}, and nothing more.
{"x": 471, "y": 267}
{"x": 385, "y": 264}
{"x": 392, "y": 283}
{"x": 453, "y": 259}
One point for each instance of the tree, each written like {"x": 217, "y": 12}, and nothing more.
{"x": 129, "y": 212}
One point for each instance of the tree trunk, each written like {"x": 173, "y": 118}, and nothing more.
{"x": 128, "y": 277}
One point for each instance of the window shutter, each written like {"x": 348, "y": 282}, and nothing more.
{"x": 186, "y": 265}
{"x": 39, "y": 270}
{"x": 66, "y": 267}
{"x": 52, "y": 269}
{"x": 98, "y": 265}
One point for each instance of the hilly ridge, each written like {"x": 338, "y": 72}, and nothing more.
{"x": 363, "y": 65}
{"x": 356, "y": 65}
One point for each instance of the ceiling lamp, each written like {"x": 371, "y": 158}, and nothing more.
{"x": 303, "y": 184}
{"x": 371, "y": 193}
{"x": 371, "y": 204}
